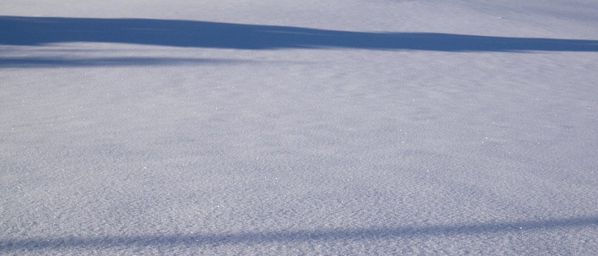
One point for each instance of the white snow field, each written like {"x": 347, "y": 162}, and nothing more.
{"x": 283, "y": 127}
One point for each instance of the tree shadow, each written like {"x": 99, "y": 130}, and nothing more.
{"x": 249, "y": 238}
{"x": 33, "y": 31}
{"x": 45, "y": 62}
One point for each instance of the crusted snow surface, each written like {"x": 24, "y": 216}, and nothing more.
{"x": 284, "y": 127}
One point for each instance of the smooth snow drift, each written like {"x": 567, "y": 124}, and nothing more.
{"x": 299, "y": 127}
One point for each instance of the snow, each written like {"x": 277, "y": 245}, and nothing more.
{"x": 298, "y": 127}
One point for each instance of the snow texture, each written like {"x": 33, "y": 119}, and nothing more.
{"x": 282, "y": 127}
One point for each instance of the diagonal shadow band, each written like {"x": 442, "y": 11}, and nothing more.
{"x": 33, "y": 31}
{"x": 248, "y": 238}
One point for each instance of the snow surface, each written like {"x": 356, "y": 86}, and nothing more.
{"x": 282, "y": 127}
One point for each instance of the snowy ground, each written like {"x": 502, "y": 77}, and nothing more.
{"x": 283, "y": 127}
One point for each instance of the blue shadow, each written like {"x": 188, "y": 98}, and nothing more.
{"x": 248, "y": 238}
{"x": 53, "y": 62}
{"x": 33, "y": 31}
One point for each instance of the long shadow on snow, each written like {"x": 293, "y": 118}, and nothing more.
{"x": 248, "y": 238}
{"x": 183, "y": 33}
{"x": 45, "y": 62}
